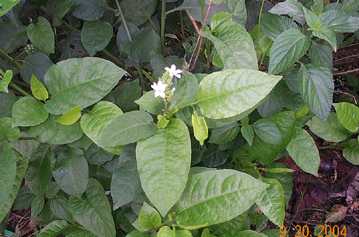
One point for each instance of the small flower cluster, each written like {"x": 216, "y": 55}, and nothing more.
{"x": 164, "y": 87}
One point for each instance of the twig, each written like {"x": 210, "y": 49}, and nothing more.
{"x": 199, "y": 43}
{"x": 260, "y": 13}
{"x": 6, "y": 56}
{"x": 19, "y": 89}
{"x": 123, "y": 20}
{"x": 346, "y": 72}
{"x": 163, "y": 23}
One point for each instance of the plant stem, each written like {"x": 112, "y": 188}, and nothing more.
{"x": 260, "y": 12}
{"x": 6, "y": 56}
{"x": 163, "y": 23}
{"x": 123, "y": 20}
{"x": 19, "y": 89}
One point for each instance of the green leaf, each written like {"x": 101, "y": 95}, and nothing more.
{"x": 38, "y": 89}
{"x": 317, "y": 89}
{"x": 330, "y": 130}
{"x": 93, "y": 211}
{"x": 54, "y": 133}
{"x": 125, "y": 177}
{"x": 28, "y": 112}
{"x": 80, "y": 82}
{"x": 304, "y": 152}
{"x": 225, "y": 134}
{"x": 273, "y": 25}
{"x": 292, "y": 8}
{"x": 231, "y": 194}
{"x": 7, "y": 5}
{"x": 248, "y": 133}
{"x": 10, "y": 180}
{"x": 70, "y": 117}
{"x": 125, "y": 95}
{"x": 41, "y": 35}
{"x": 35, "y": 64}
{"x": 7, "y": 178}
{"x": 138, "y": 11}
{"x": 250, "y": 233}
{"x": 148, "y": 102}
{"x": 7, "y": 132}
{"x": 127, "y": 128}
{"x": 80, "y": 233}
{"x": 319, "y": 28}
{"x": 351, "y": 151}
{"x": 348, "y": 115}
{"x": 5, "y": 81}
{"x": 200, "y": 128}
{"x": 163, "y": 163}
{"x": 89, "y": 10}
{"x": 232, "y": 42}
{"x": 71, "y": 171}
{"x": 230, "y": 93}
{"x": 101, "y": 115}
{"x": 53, "y": 229}
{"x": 286, "y": 50}
{"x": 96, "y": 35}
{"x": 321, "y": 55}
{"x": 340, "y": 21}
{"x": 148, "y": 218}
{"x": 166, "y": 231}
{"x": 268, "y": 131}
{"x": 272, "y": 202}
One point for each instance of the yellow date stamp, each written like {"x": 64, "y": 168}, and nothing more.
{"x": 321, "y": 230}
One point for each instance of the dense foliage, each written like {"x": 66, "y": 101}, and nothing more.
{"x": 167, "y": 118}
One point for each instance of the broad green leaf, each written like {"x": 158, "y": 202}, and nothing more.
{"x": 348, "y": 115}
{"x": 138, "y": 11}
{"x": 166, "y": 231}
{"x": 231, "y": 194}
{"x": 80, "y": 82}
{"x": 200, "y": 128}
{"x": 58, "y": 10}
{"x": 53, "y": 229}
{"x": 250, "y": 233}
{"x": 148, "y": 218}
{"x": 7, "y": 132}
{"x": 286, "y": 50}
{"x": 148, "y": 102}
{"x": 321, "y": 55}
{"x": 230, "y": 93}
{"x": 225, "y": 134}
{"x": 8, "y": 194}
{"x": 292, "y": 8}
{"x": 330, "y": 130}
{"x": 206, "y": 233}
{"x": 96, "y": 35}
{"x": 35, "y": 64}
{"x": 5, "y": 81}
{"x": 125, "y": 177}
{"x": 7, "y": 5}
{"x": 232, "y": 227}
{"x": 185, "y": 93}
{"x": 101, "y": 115}
{"x": 54, "y": 133}
{"x": 268, "y": 131}
{"x": 125, "y": 95}
{"x": 41, "y": 35}
{"x": 28, "y": 112}
{"x": 163, "y": 163}
{"x": 127, "y": 128}
{"x": 351, "y": 151}
{"x": 38, "y": 89}
{"x": 273, "y": 25}
{"x": 248, "y": 133}
{"x": 340, "y": 21}
{"x": 272, "y": 202}
{"x": 89, "y": 10}
{"x": 93, "y": 211}
{"x": 71, "y": 171}
{"x": 319, "y": 28}
{"x": 7, "y": 178}
{"x": 303, "y": 150}
{"x": 317, "y": 89}
{"x": 80, "y": 233}
{"x": 6, "y": 103}
{"x": 232, "y": 42}
{"x": 183, "y": 233}
{"x": 70, "y": 117}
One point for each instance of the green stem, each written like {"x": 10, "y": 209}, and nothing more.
{"x": 6, "y": 56}
{"x": 19, "y": 89}
{"x": 123, "y": 20}
{"x": 163, "y": 23}
{"x": 261, "y": 12}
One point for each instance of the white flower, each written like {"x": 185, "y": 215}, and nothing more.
{"x": 174, "y": 72}
{"x": 159, "y": 88}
